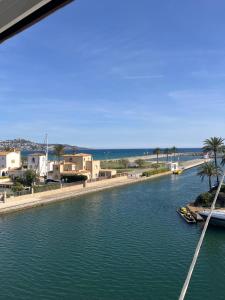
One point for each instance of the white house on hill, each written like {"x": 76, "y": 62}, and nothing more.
{"x": 9, "y": 160}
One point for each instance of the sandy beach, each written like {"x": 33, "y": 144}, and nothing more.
{"x": 150, "y": 156}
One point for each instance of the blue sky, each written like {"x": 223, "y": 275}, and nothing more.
{"x": 118, "y": 74}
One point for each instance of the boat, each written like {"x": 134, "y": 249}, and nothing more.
{"x": 177, "y": 172}
{"x": 186, "y": 215}
{"x": 217, "y": 218}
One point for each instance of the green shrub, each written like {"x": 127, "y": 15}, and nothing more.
{"x": 222, "y": 188}
{"x": 73, "y": 178}
{"x": 28, "y": 179}
{"x": 45, "y": 188}
{"x": 204, "y": 199}
{"x": 17, "y": 187}
{"x": 140, "y": 162}
{"x": 154, "y": 172}
{"x": 155, "y": 166}
{"x": 114, "y": 164}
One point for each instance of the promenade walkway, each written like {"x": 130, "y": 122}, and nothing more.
{"x": 40, "y": 199}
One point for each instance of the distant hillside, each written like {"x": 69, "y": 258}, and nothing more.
{"x": 26, "y": 145}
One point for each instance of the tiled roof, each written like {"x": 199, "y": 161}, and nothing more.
{"x": 7, "y": 152}
{"x": 4, "y": 153}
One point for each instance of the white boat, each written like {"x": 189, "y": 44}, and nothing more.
{"x": 217, "y": 218}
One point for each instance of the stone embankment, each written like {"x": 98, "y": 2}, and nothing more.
{"x": 40, "y": 199}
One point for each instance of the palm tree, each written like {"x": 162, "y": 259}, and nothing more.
{"x": 223, "y": 158}
{"x": 167, "y": 152}
{"x": 59, "y": 151}
{"x": 174, "y": 150}
{"x": 157, "y": 151}
{"x": 208, "y": 169}
{"x": 214, "y": 145}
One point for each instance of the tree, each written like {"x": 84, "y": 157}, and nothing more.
{"x": 167, "y": 152}
{"x": 174, "y": 151}
{"x": 125, "y": 163}
{"x": 155, "y": 166}
{"x": 24, "y": 161}
{"x": 223, "y": 158}
{"x": 30, "y": 177}
{"x": 17, "y": 187}
{"x": 74, "y": 150}
{"x": 59, "y": 151}
{"x": 214, "y": 145}
{"x": 8, "y": 149}
{"x": 157, "y": 151}
{"x": 208, "y": 169}
{"x": 140, "y": 162}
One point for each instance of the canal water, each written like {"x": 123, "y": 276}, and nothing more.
{"x": 124, "y": 243}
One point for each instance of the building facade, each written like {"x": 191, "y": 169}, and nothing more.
{"x": 38, "y": 163}
{"x": 80, "y": 164}
{"x": 80, "y": 160}
{"x": 9, "y": 160}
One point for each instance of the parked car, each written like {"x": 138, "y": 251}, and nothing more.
{"x": 50, "y": 181}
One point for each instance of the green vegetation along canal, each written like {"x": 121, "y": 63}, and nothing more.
{"x": 124, "y": 243}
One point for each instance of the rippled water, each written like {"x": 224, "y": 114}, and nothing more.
{"x": 124, "y": 243}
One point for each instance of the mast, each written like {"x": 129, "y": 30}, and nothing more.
{"x": 46, "y": 153}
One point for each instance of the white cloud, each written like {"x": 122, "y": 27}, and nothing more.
{"x": 134, "y": 77}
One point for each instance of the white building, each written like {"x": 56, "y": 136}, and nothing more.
{"x": 206, "y": 156}
{"x": 50, "y": 166}
{"x": 9, "y": 160}
{"x": 38, "y": 163}
{"x": 174, "y": 166}
{"x": 134, "y": 175}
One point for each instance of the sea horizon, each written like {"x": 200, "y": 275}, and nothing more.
{"x": 106, "y": 154}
